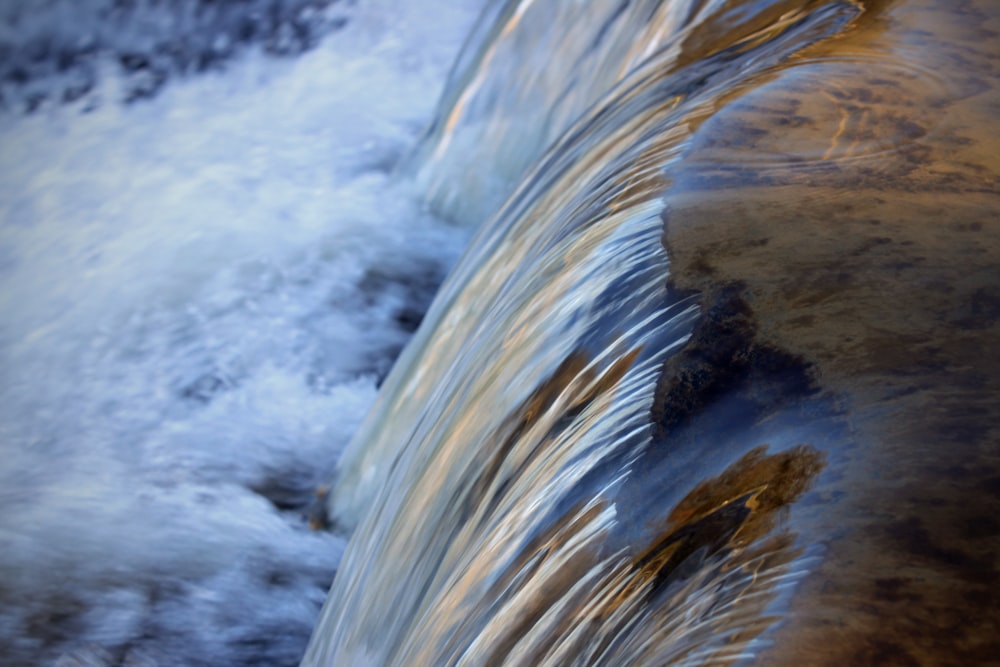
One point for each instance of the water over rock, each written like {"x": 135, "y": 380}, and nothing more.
{"x": 716, "y": 383}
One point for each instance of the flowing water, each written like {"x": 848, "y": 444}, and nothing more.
{"x": 716, "y": 381}
{"x": 200, "y": 290}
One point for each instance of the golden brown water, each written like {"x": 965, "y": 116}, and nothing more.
{"x": 858, "y": 216}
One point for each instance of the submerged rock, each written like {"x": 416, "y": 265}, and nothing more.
{"x": 718, "y": 383}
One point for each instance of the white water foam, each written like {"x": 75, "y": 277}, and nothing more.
{"x": 198, "y": 295}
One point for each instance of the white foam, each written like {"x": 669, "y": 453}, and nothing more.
{"x": 181, "y": 323}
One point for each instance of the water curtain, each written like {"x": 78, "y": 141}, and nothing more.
{"x": 661, "y": 389}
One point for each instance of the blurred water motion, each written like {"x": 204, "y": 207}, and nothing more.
{"x": 717, "y": 381}
{"x": 200, "y": 289}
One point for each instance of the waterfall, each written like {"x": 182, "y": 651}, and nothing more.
{"x": 715, "y": 381}
{"x": 701, "y": 388}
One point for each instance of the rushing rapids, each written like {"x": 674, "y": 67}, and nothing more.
{"x": 716, "y": 381}
{"x": 199, "y": 291}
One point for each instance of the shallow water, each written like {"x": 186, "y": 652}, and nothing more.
{"x": 717, "y": 383}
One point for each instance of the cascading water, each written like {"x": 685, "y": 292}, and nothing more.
{"x": 714, "y": 383}
{"x": 702, "y": 389}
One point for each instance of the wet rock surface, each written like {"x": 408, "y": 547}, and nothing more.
{"x": 878, "y": 270}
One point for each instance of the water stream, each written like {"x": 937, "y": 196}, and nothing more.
{"x": 702, "y": 389}
{"x": 668, "y": 337}
{"x": 200, "y": 291}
